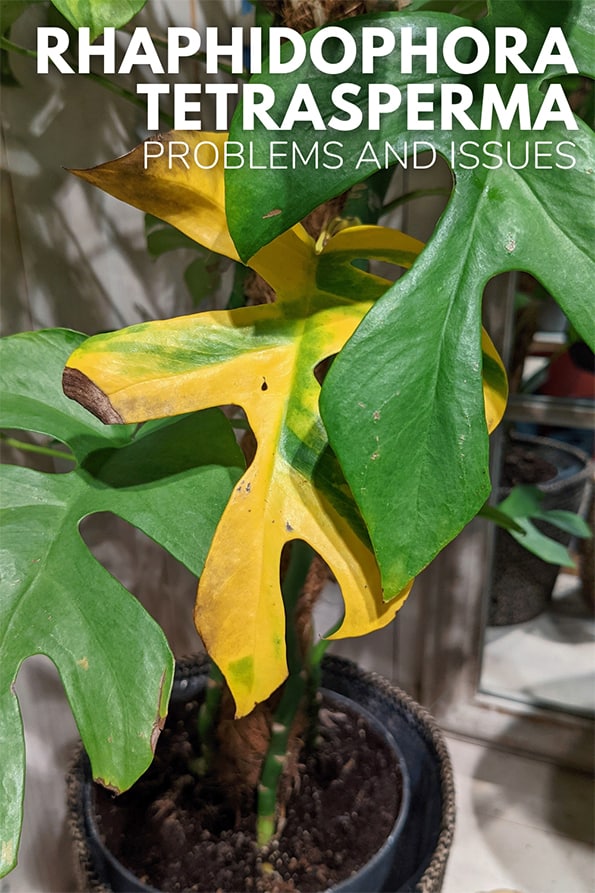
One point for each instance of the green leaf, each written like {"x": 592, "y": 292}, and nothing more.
{"x": 161, "y": 237}
{"x": 500, "y": 518}
{"x": 202, "y": 277}
{"x": 407, "y": 422}
{"x": 56, "y": 599}
{"x": 523, "y": 501}
{"x": 566, "y": 521}
{"x": 416, "y": 359}
{"x": 271, "y": 196}
{"x": 578, "y": 21}
{"x": 517, "y": 219}
{"x": 541, "y": 545}
{"x": 32, "y": 400}
{"x": 98, "y": 14}
{"x": 522, "y": 506}
{"x": 469, "y": 9}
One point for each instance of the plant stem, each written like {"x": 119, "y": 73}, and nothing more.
{"x": 122, "y": 92}
{"x": 315, "y": 656}
{"x": 275, "y": 759}
{"x": 207, "y": 719}
{"x": 293, "y": 692}
{"x": 295, "y": 577}
{"x": 9, "y": 46}
{"x": 492, "y": 513}
{"x": 411, "y": 196}
{"x": 237, "y": 297}
{"x": 126, "y": 94}
{"x": 34, "y": 448}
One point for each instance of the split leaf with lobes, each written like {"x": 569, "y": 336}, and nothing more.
{"x": 57, "y": 599}
{"x": 262, "y": 358}
{"x": 414, "y": 360}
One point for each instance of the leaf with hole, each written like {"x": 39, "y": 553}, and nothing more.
{"x": 264, "y": 359}
{"x": 415, "y": 359}
{"x": 56, "y": 599}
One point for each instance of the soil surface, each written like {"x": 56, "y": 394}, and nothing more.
{"x": 177, "y": 833}
{"x": 522, "y": 465}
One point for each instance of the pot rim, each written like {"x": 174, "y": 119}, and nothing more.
{"x": 404, "y": 805}
{"x": 560, "y": 481}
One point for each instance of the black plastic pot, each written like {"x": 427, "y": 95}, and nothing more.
{"x": 414, "y": 856}
{"x": 522, "y": 583}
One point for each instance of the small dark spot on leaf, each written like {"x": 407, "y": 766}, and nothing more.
{"x": 264, "y": 386}
{"x": 288, "y": 527}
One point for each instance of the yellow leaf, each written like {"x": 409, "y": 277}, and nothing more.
{"x": 495, "y": 383}
{"x": 261, "y": 358}
{"x": 169, "y": 188}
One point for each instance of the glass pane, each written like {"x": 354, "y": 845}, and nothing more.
{"x": 539, "y": 641}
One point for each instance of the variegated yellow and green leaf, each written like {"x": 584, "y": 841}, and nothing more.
{"x": 191, "y": 199}
{"x": 263, "y": 359}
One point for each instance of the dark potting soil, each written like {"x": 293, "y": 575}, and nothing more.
{"x": 522, "y": 465}
{"x": 177, "y": 832}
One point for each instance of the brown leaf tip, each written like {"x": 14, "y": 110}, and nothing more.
{"x": 156, "y": 731}
{"x": 160, "y": 718}
{"x": 78, "y": 387}
{"x": 106, "y": 784}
